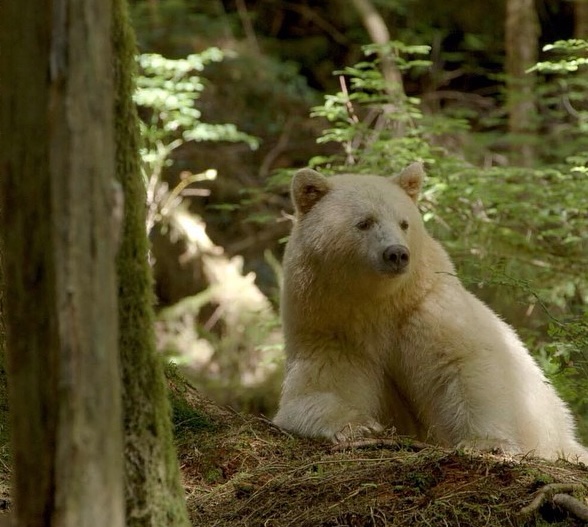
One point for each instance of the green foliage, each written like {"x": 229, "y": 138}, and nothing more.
{"x": 379, "y": 129}
{"x": 169, "y": 89}
{"x": 571, "y": 61}
{"x": 383, "y": 130}
{"x": 400, "y": 52}
{"x": 562, "y": 102}
{"x": 166, "y": 94}
{"x": 566, "y": 361}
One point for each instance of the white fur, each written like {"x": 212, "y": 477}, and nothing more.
{"x": 368, "y": 349}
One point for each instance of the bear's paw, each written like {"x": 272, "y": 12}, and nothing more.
{"x": 499, "y": 447}
{"x": 356, "y": 430}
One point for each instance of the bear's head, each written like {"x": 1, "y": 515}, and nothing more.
{"x": 359, "y": 225}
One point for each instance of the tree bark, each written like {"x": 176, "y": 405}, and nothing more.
{"x": 522, "y": 40}
{"x": 154, "y": 495}
{"x": 56, "y": 162}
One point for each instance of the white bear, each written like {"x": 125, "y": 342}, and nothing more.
{"x": 380, "y": 332}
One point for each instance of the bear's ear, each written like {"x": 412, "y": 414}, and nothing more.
{"x": 411, "y": 180}
{"x": 308, "y": 187}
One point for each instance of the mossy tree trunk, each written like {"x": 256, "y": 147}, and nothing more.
{"x": 521, "y": 44}
{"x": 154, "y": 495}
{"x": 56, "y": 163}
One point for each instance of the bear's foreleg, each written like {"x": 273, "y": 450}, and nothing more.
{"x": 324, "y": 415}
{"x": 328, "y": 400}
{"x": 467, "y": 411}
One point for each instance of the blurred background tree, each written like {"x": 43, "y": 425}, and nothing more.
{"x": 234, "y": 94}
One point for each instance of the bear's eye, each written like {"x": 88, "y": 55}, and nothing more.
{"x": 404, "y": 225}
{"x": 365, "y": 224}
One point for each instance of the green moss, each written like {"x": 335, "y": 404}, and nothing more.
{"x": 420, "y": 480}
{"x": 186, "y": 419}
{"x": 539, "y": 478}
{"x": 154, "y": 495}
{"x": 214, "y": 476}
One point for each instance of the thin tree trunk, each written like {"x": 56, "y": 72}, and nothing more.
{"x": 378, "y": 32}
{"x": 581, "y": 19}
{"x": 4, "y": 416}
{"x": 56, "y": 160}
{"x": 154, "y": 495}
{"x": 522, "y": 40}
{"x": 393, "y": 86}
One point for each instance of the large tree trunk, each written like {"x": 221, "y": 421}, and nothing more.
{"x": 56, "y": 165}
{"x": 154, "y": 495}
{"x": 522, "y": 36}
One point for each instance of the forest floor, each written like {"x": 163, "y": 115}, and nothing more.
{"x": 242, "y": 471}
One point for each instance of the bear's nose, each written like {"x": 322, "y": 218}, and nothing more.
{"x": 396, "y": 257}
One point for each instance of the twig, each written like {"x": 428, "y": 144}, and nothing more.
{"x": 382, "y": 443}
{"x": 187, "y": 179}
{"x": 353, "y": 119}
{"x": 365, "y": 443}
{"x": 548, "y": 492}
{"x": 479, "y": 100}
{"x": 348, "y": 104}
{"x": 281, "y": 145}
{"x": 568, "y": 106}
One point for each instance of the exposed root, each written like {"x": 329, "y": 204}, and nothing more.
{"x": 557, "y": 490}
{"x": 572, "y": 505}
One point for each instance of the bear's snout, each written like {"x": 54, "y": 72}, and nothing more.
{"x": 396, "y": 257}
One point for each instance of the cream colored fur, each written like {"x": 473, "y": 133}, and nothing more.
{"x": 369, "y": 348}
